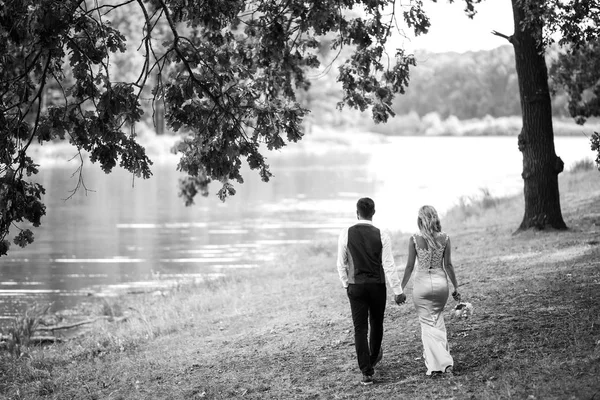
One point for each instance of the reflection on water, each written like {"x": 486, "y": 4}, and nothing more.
{"x": 119, "y": 236}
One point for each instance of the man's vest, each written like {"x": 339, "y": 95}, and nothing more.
{"x": 364, "y": 254}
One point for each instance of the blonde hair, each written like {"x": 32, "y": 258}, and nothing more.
{"x": 429, "y": 224}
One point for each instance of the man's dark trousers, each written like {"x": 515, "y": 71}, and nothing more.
{"x": 367, "y": 302}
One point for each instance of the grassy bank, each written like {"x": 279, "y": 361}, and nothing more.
{"x": 284, "y": 331}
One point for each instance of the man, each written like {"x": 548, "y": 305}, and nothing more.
{"x": 364, "y": 261}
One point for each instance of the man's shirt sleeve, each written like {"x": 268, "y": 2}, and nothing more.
{"x": 389, "y": 266}
{"x": 342, "y": 258}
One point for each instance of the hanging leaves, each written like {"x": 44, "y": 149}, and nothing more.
{"x": 229, "y": 72}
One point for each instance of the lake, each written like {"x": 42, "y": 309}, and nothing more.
{"x": 125, "y": 235}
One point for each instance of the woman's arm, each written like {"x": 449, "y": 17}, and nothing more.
{"x": 448, "y": 265}
{"x": 410, "y": 262}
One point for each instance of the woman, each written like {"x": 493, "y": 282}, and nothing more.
{"x": 431, "y": 247}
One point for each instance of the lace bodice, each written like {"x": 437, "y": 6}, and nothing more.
{"x": 430, "y": 258}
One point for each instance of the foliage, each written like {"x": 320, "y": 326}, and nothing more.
{"x": 577, "y": 22}
{"x": 470, "y": 85}
{"x": 227, "y": 73}
{"x": 577, "y": 68}
{"x": 467, "y": 85}
{"x": 578, "y": 72}
{"x": 22, "y": 328}
{"x": 469, "y": 206}
{"x": 582, "y": 165}
{"x": 595, "y": 140}
{"x": 39, "y": 40}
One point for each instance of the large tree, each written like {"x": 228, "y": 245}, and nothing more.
{"x": 541, "y": 165}
{"x": 537, "y": 25}
{"x": 228, "y": 73}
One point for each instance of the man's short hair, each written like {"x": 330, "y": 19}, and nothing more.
{"x": 365, "y": 207}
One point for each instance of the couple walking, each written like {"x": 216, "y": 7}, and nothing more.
{"x": 365, "y": 260}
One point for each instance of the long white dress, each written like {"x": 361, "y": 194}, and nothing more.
{"x": 430, "y": 293}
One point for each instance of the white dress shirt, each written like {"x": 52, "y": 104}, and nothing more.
{"x": 387, "y": 257}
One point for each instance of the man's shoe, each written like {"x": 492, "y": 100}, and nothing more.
{"x": 366, "y": 380}
{"x": 379, "y": 357}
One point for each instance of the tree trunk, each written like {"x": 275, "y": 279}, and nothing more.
{"x": 541, "y": 166}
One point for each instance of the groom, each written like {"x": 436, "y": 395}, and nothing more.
{"x": 364, "y": 261}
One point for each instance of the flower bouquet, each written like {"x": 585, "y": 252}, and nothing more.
{"x": 463, "y": 310}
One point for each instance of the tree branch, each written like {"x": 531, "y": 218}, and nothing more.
{"x": 175, "y": 47}
{"x": 109, "y": 6}
{"x": 38, "y": 96}
{"x": 509, "y": 38}
{"x": 146, "y": 40}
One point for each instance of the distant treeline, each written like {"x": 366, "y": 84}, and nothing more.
{"x": 472, "y": 93}
{"x": 468, "y": 85}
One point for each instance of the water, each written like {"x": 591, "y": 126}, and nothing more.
{"x": 122, "y": 238}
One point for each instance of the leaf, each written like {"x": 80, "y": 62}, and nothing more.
{"x": 231, "y": 78}
{"x": 225, "y": 191}
{"x": 24, "y": 238}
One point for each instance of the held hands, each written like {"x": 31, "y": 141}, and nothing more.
{"x": 456, "y": 296}
{"x": 400, "y": 298}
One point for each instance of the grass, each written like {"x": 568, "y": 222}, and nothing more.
{"x": 22, "y": 329}
{"x": 469, "y": 206}
{"x": 583, "y": 165}
{"x": 284, "y": 331}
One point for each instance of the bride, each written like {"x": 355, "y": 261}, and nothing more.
{"x": 431, "y": 247}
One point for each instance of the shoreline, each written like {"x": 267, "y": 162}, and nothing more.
{"x": 464, "y": 214}
{"x": 158, "y": 148}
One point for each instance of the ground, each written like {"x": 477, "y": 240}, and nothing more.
{"x": 285, "y": 331}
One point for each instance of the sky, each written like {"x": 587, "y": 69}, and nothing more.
{"x": 452, "y": 30}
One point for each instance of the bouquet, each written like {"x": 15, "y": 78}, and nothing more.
{"x": 463, "y": 310}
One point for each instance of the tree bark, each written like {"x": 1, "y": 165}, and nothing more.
{"x": 541, "y": 166}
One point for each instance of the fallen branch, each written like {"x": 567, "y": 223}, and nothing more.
{"x": 80, "y": 323}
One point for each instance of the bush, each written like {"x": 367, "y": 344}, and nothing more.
{"x": 23, "y": 327}
{"x": 469, "y": 206}
{"x": 582, "y": 165}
